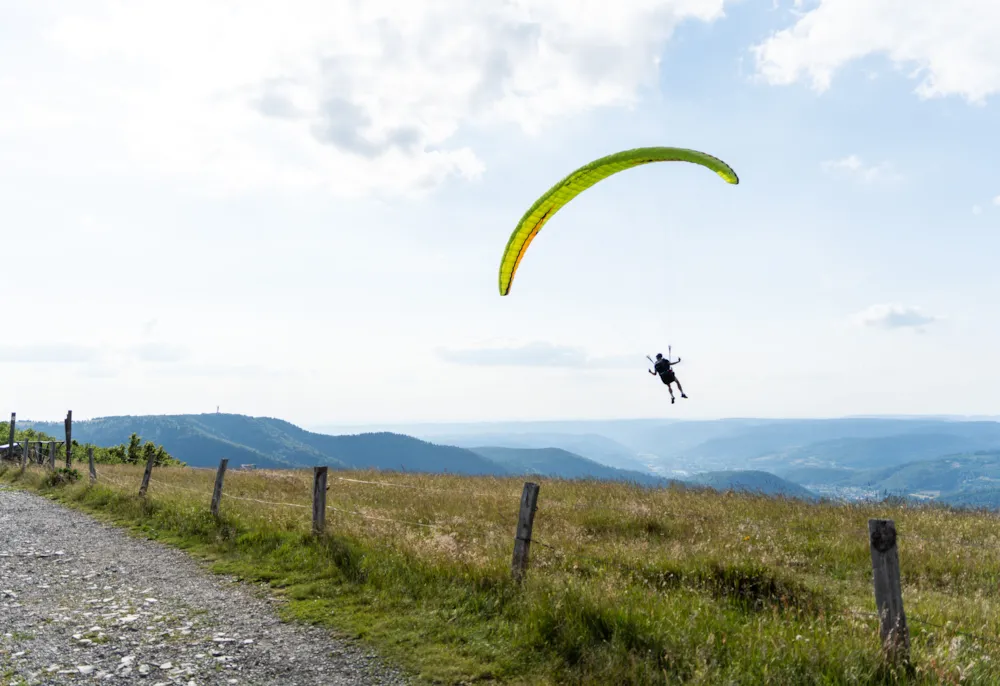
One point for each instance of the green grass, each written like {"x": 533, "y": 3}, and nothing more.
{"x": 636, "y": 586}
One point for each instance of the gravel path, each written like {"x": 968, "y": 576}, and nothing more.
{"x": 82, "y": 602}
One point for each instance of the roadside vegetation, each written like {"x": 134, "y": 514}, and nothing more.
{"x": 626, "y": 584}
{"x": 133, "y": 452}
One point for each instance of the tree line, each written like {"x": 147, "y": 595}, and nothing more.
{"x": 134, "y": 452}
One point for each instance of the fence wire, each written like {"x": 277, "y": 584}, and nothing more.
{"x": 298, "y": 505}
{"x": 911, "y": 619}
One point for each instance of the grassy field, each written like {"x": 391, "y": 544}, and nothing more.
{"x": 632, "y": 586}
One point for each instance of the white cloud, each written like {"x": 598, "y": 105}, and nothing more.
{"x": 38, "y": 353}
{"x": 356, "y": 97}
{"x": 152, "y": 358}
{"x": 92, "y": 227}
{"x": 221, "y": 369}
{"x": 951, "y": 47}
{"x": 996, "y": 200}
{"x": 536, "y": 354}
{"x": 48, "y": 353}
{"x": 977, "y": 210}
{"x": 894, "y": 316}
{"x": 884, "y": 172}
{"x": 152, "y": 351}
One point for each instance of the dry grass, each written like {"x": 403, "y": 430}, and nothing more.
{"x": 633, "y": 585}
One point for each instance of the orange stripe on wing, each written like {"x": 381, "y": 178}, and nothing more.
{"x": 527, "y": 242}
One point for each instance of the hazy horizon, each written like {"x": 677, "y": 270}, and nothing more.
{"x": 317, "y": 426}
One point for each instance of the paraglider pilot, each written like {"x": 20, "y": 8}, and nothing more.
{"x": 667, "y": 376}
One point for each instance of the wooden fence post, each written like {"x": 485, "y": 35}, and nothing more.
{"x": 90, "y": 459}
{"x": 146, "y": 474}
{"x": 217, "y": 492}
{"x": 522, "y": 538}
{"x": 69, "y": 441}
{"x": 319, "y": 499}
{"x": 52, "y": 455}
{"x": 10, "y": 441}
{"x": 24, "y": 455}
{"x": 894, "y": 633}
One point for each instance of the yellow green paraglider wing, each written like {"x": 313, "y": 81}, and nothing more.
{"x": 582, "y": 179}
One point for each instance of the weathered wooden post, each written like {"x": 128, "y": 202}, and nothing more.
{"x": 10, "y": 441}
{"x": 894, "y": 633}
{"x": 69, "y": 440}
{"x": 217, "y": 492}
{"x": 24, "y": 455}
{"x": 90, "y": 459}
{"x": 522, "y": 538}
{"x": 52, "y": 455}
{"x": 147, "y": 474}
{"x": 319, "y": 499}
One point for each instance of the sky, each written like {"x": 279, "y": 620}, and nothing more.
{"x": 298, "y": 210}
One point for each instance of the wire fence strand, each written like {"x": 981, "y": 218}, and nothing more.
{"x": 429, "y": 489}
{"x": 306, "y": 507}
{"x": 918, "y": 620}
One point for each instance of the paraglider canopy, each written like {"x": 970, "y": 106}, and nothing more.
{"x": 582, "y": 179}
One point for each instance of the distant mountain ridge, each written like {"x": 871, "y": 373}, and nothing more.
{"x": 665, "y": 445}
{"x": 836, "y": 457}
{"x": 563, "y": 464}
{"x": 753, "y": 482}
{"x": 202, "y": 439}
{"x": 591, "y": 446}
{"x": 961, "y": 479}
{"x": 848, "y": 457}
